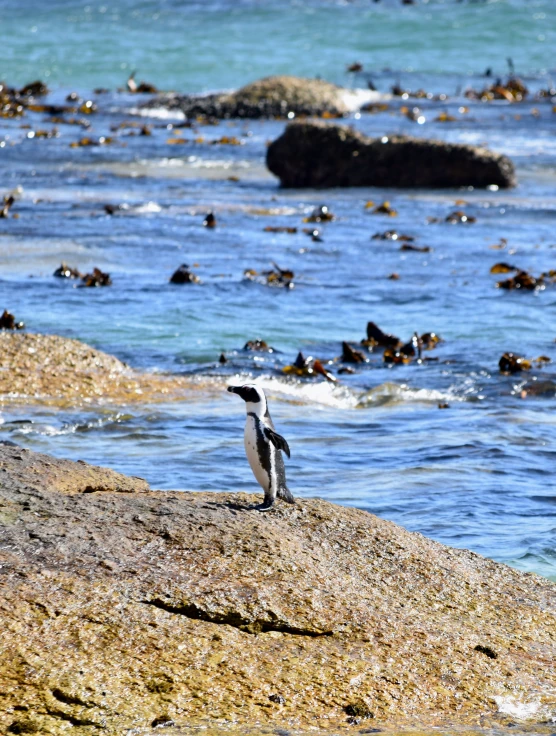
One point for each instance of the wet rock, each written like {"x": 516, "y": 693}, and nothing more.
{"x": 183, "y": 275}
{"x": 320, "y": 155}
{"x": 271, "y": 97}
{"x": 126, "y": 609}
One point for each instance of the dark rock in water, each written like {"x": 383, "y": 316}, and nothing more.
{"x": 323, "y": 155}
{"x": 183, "y": 275}
{"x": 271, "y": 97}
{"x": 7, "y": 322}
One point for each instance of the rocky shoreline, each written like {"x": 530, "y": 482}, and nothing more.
{"x": 123, "y": 607}
{"x": 55, "y": 370}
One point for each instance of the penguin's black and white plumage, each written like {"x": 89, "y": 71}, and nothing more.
{"x": 263, "y": 446}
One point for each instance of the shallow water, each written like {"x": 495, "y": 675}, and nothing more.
{"x": 478, "y": 474}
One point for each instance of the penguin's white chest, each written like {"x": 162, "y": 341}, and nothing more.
{"x": 259, "y": 465}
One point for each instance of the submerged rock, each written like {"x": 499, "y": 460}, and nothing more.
{"x": 123, "y": 608}
{"x": 270, "y": 97}
{"x": 323, "y": 155}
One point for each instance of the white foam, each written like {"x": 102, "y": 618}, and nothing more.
{"x": 160, "y": 113}
{"x": 354, "y": 99}
{"x": 511, "y": 706}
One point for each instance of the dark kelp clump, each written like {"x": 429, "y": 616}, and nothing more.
{"x": 8, "y": 322}
{"x": 184, "y": 275}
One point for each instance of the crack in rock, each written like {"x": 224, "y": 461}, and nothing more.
{"x": 231, "y": 618}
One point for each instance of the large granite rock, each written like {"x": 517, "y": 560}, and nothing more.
{"x": 123, "y": 608}
{"x": 50, "y": 369}
{"x": 323, "y": 155}
{"x": 271, "y": 97}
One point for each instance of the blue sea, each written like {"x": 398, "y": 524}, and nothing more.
{"x": 478, "y": 473}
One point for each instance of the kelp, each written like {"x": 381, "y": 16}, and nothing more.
{"x": 523, "y": 281}
{"x": 392, "y": 235}
{"x": 280, "y": 229}
{"x": 210, "y": 220}
{"x": 308, "y": 368}
{"x": 510, "y": 363}
{"x": 376, "y": 337}
{"x": 385, "y": 209}
{"x": 320, "y": 214}
{"x": 259, "y": 346}
{"x": 96, "y": 278}
{"x": 183, "y": 275}
{"x": 416, "y": 248}
{"x": 275, "y": 277}
{"x": 502, "y": 268}
{"x": 351, "y": 355}
{"x": 8, "y": 322}
{"x": 67, "y": 272}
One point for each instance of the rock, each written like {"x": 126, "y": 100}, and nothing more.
{"x": 49, "y": 369}
{"x": 123, "y": 608}
{"x": 323, "y": 155}
{"x": 271, "y": 97}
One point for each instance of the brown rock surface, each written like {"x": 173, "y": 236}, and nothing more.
{"x": 322, "y": 155}
{"x": 270, "y": 97}
{"x": 120, "y": 610}
{"x": 57, "y": 370}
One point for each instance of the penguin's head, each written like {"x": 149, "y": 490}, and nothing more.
{"x": 249, "y": 393}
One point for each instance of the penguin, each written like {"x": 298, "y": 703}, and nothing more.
{"x": 263, "y": 446}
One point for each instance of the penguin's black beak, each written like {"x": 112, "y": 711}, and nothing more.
{"x": 234, "y": 389}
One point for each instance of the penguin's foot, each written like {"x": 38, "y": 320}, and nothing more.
{"x": 264, "y": 506}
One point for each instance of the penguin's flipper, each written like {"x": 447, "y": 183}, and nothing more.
{"x": 277, "y": 440}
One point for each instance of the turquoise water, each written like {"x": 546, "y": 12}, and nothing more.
{"x": 478, "y": 474}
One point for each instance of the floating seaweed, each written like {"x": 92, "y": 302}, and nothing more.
{"x": 458, "y": 216}
{"x": 375, "y": 336}
{"x": 259, "y": 346}
{"x": 320, "y": 214}
{"x": 502, "y": 268}
{"x": 96, "y": 278}
{"x": 8, "y": 322}
{"x": 308, "y": 368}
{"x": 210, "y": 220}
{"x": 67, "y": 272}
{"x": 416, "y": 248}
{"x": 385, "y": 209}
{"x": 183, "y": 275}
{"x": 355, "y": 67}
{"x": 392, "y": 235}
{"x": 280, "y": 229}
{"x": 510, "y": 363}
{"x": 351, "y": 355}
{"x": 279, "y": 276}
{"x": 9, "y": 199}
{"x": 102, "y": 140}
{"x": 522, "y": 280}
{"x": 314, "y": 234}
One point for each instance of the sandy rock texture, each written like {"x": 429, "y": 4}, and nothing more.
{"x": 126, "y": 608}
{"x": 58, "y": 370}
{"x": 324, "y": 155}
{"x": 271, "y": 97}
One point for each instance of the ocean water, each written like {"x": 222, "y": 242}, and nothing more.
{"x": 478, "y": 474}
